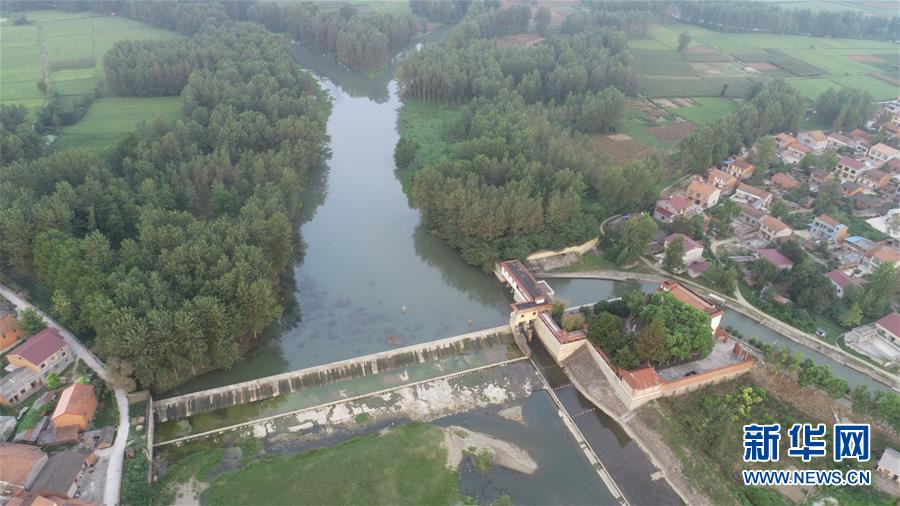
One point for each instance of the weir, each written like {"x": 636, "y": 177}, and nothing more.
{"x": 186, "y": 405}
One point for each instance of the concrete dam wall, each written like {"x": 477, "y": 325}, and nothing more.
{"x": 203, "y": 401}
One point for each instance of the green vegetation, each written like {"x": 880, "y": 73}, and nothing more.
{"x": 705, "y": 429}
{"x": 428, "y": 126}
{"x": 199, "y": 213}
{"x": 31, "y": 322}
{"x": 76, "y": 43}
{"x": 193, "y": 460}
{"x": 404, "y": 466}
{"x": 705, "y": 110}
{"x": 110, "y": 119}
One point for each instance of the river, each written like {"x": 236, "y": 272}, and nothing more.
{"x": 370, "y": 276}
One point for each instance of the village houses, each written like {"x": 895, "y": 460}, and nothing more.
{"x": 693, "y": 250}
{"x": 671, "y": 207}
{"x": 702, "y": 194}
{"x": 814, "y": 140}
{"x": 753, "y": 196}
{"x": 826, "y": 227}
{"x": 771, "y": 228}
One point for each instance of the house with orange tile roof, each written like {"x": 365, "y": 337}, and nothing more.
{"x": 881, "y": 254}
{"x": 690, "y": 298}
{"x": 76, "y": 406}
{"x": 10, "y": 331}
{"x": 702, "y": 194}
{"x": 814, "y": 140}
{"x": 20, "y": 464}
{"x": 752, "y": 195}
{"x": 874, "y": 179}
{"x": 794, "y": 153}
{"x": 739, "y": 168}
{"x": 880, "y": 154}
{"x": 771, "y": 228}
{"x": 785, "y": 181}
{"x": 721, "y": 180}
{"x": 783, "y": 140}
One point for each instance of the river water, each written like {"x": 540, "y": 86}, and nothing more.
{"x": 371, "y": 277}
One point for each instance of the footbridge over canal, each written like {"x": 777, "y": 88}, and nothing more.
{"x": 187, "y": 405}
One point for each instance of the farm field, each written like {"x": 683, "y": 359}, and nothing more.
{"x": 109, "y": 119}
{"x": 75, "y": 42}
{"x": 705, "y": 109}
{"x": 810, "y": 64}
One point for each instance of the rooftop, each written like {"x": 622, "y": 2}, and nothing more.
{"x": 890, "y": 460}
{"x": 722, "y": 355}
{"x": 752, "y": 190}
{"x": 701, "y": 188}
{"x": 40, "y": 346}
{"x": 828, "y": 220}
{"x": 891, "y": 322}
{"x": 884, "y": 149}
{"x": 851, "y": 163}
{"x": 689, "y": 243}
{"x": 678, "y": 202}
{"x": 524, "y": 279}
{"x": 841, "y": 279}
{"x": 14, "y": 382}
{"x": 775, "y": 256}
{"x": 884, "y": 253}
{"x": 60, "y": 472}
{"x": 18, "y": 461}
{"x": 688, "y": 297}
{"x": 77, "y": 400}
{"x": 774, "y": 224}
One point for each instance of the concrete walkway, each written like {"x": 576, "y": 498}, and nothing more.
{"x": 116, "y": 453}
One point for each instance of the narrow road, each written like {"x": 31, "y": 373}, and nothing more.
{"x": 116, "y": 452}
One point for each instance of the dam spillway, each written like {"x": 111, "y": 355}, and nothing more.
{"x": 444, "y": 355}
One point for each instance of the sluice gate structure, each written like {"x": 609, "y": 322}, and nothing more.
{"x": 182, "y": 406}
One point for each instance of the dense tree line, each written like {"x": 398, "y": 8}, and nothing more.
{"x": 777, "y": 108}
{"x": 173, "y": 250}
{"x": 764, "y": 17}
{"x": 362, "y": 41}
{"x": 750, "y": 16}
{"x": 509, "y": 189}
{"x": 441, "y": 11}
{"x": 635, "y": 23}
{"x": 843, "y": 109}
{"x": 147, "y": 68}
{"x": 472, "y": 65}
{"x": 488, "y": 23}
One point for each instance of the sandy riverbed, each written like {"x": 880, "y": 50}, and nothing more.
{"x": 458, "y": 440}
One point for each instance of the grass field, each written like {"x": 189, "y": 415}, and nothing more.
{"x": 76, "y": 43}
{"x": 706, "y": 109}
{"x": 404, "y": 466}
{"x": 811, "y": 65}
{"x": 109, "y": 119}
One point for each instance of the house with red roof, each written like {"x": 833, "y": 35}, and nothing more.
{"x": 671, "y": 207}
{"x": 850, "y": 168}
{"x": 841, "y": 281}
{"x": 693, "y": 250}
{"x": 775, "y": 257}
{"x": 44, "y": 353}
{"x": 888, "y": 327}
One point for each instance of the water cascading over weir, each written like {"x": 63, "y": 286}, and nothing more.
{"x": 186, "y": 405}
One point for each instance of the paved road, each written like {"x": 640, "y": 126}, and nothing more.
{"x": 116, "y": 453}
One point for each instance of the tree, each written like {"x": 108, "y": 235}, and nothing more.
{"x": 723, "y": 277}
{"x": 571, "y": 322}
{"x": 763, "y": 271}
{"x": 764, "y": 154}
{"x": 688, "y": 330}
{"x": 542, "y": 20}
{"x": 809, "y": 288}
{"x": 120, "y": 374}
{"x": 880, "y": 290}
{"x": 53, "y": 381}
{"x": 405, "y": 152}
{"x": 650, "y": 344}
{"x": 607, "y": 333}
{"x": 674, "y": 258}
{"x": 31, "y": 322}
{"x": 852, "y": 316}
{"x": 630, "y": 239}
{"x": 684, "y": 39}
